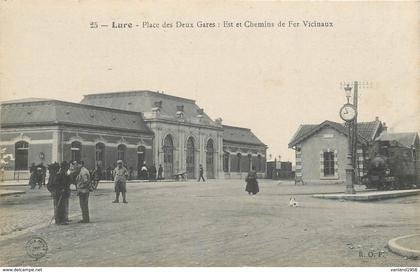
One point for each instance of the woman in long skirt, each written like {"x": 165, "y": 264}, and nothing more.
{"x": 252, "y": 183}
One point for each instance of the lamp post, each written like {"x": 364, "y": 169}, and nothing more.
{"x": 348, "y": 113}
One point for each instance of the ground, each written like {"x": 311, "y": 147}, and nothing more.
{"x": 210, "y": 224}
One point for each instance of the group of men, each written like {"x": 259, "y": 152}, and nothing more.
{"x": 64, "y": 174}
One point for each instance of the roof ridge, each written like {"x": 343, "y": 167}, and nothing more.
{"x": 147, "y": 92}
{"x": 56, "y": 101}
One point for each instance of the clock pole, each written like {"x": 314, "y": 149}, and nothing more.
{"x": 354, "y": 150}
{"x": 350, "y": 166}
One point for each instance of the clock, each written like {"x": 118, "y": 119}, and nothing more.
{"x": 348, "y": 112}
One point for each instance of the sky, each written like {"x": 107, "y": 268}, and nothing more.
{"x": 268, "y": 79}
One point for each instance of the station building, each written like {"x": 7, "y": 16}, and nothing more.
{"x": 134, "y": 126}
{"x": 321, "y": 149}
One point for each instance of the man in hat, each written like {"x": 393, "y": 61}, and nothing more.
{"x": 120, "y": 174}
{"x": 83, "y": 185}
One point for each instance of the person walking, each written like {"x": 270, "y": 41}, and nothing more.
{"x": 120, "y": 178}
{"x": 160, "y": 171}
{"x": 201, "y": 173}
{"x": 83, "y": 185}
{"x": 251, "y": 182}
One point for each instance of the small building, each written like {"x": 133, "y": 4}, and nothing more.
{"x": 242, "y": 150}
{"x": 321, "y": 149}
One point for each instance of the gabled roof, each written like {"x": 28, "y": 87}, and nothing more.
{"x": 407, "y": 139}
{"x": 144, "y": 101}
{"x": 55, "y": 112}
{"x": 366, "y": 130}
{"x": 240, "y": 135}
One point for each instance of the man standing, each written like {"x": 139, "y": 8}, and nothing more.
{"x": 201, "y": 170}
{"x": 120, "y": 177}
{"x": 83, "y": 185}
{"x": 160, "y": 171}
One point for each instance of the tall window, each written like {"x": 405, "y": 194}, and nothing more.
{"x": 100, "y": 154}
{"x": 259, "y": 163}
{"x": 249, "y": 162}
{"x": 121, "y": 152}
{"x": 329, "y": 163}
{"x": 190, "y": 158}
{"x": 76, "y": 151}
{"x": 21, "y": 155}
{"x": 226, "y": 162}
{"x": 238, "y": 166}
{"x": 210, "y": 159}
{"x": 168, "y": 156}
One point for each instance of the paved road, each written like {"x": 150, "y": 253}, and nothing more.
{"x": 210, "y": 224}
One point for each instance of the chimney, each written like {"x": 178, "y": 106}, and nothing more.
{"x": 376, "y": 118}
{"x": 200, "y": 113}
{"x": 385, "y": 128}
{"x": 157, "y": 105}
{"x": 180, "y": 111}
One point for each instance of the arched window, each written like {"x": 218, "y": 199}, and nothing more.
{"x": 121, "y": 152}
{"x": 190, "y": 158}
{"x": 21, "y": 155}
{"x": 226, "y": 162}
{"x": 249, "y": 162}
{"x": 168, "y": 156}
{"x": 210, "y": 159}
{"x": 260, "y": 163}
{"x": 76, "y": 151}
{"x": 100, "y": 154}
{"x": 238, "y": 167}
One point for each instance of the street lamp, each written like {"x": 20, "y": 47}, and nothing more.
{"x": 348, "y": 113}
{"x": 347, "y": 89}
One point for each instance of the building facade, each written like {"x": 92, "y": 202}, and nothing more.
{"x": 139, "y": 127}
{"x": 44, "y": 131}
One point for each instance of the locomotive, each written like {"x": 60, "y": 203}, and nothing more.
{"x": 392, "y": 167}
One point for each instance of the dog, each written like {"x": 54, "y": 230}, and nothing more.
{"x": 293, "y": 203}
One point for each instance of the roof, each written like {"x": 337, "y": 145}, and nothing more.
{"x": 240, "y": 135}
{"x": 144, "y": 101}
{"x": 55, "y": 112}
{"x": 24, "y": 100}
{"x": 407, "y": 139}
{"x": 367, "y": 131}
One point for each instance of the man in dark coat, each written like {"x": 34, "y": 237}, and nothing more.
{"x": 201, "y": 173}
{"x": 160, "y": 171}
{"x": 59, "y": 186}
{"x": 33, "y": 177}
{"x": 251, "y": 182}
